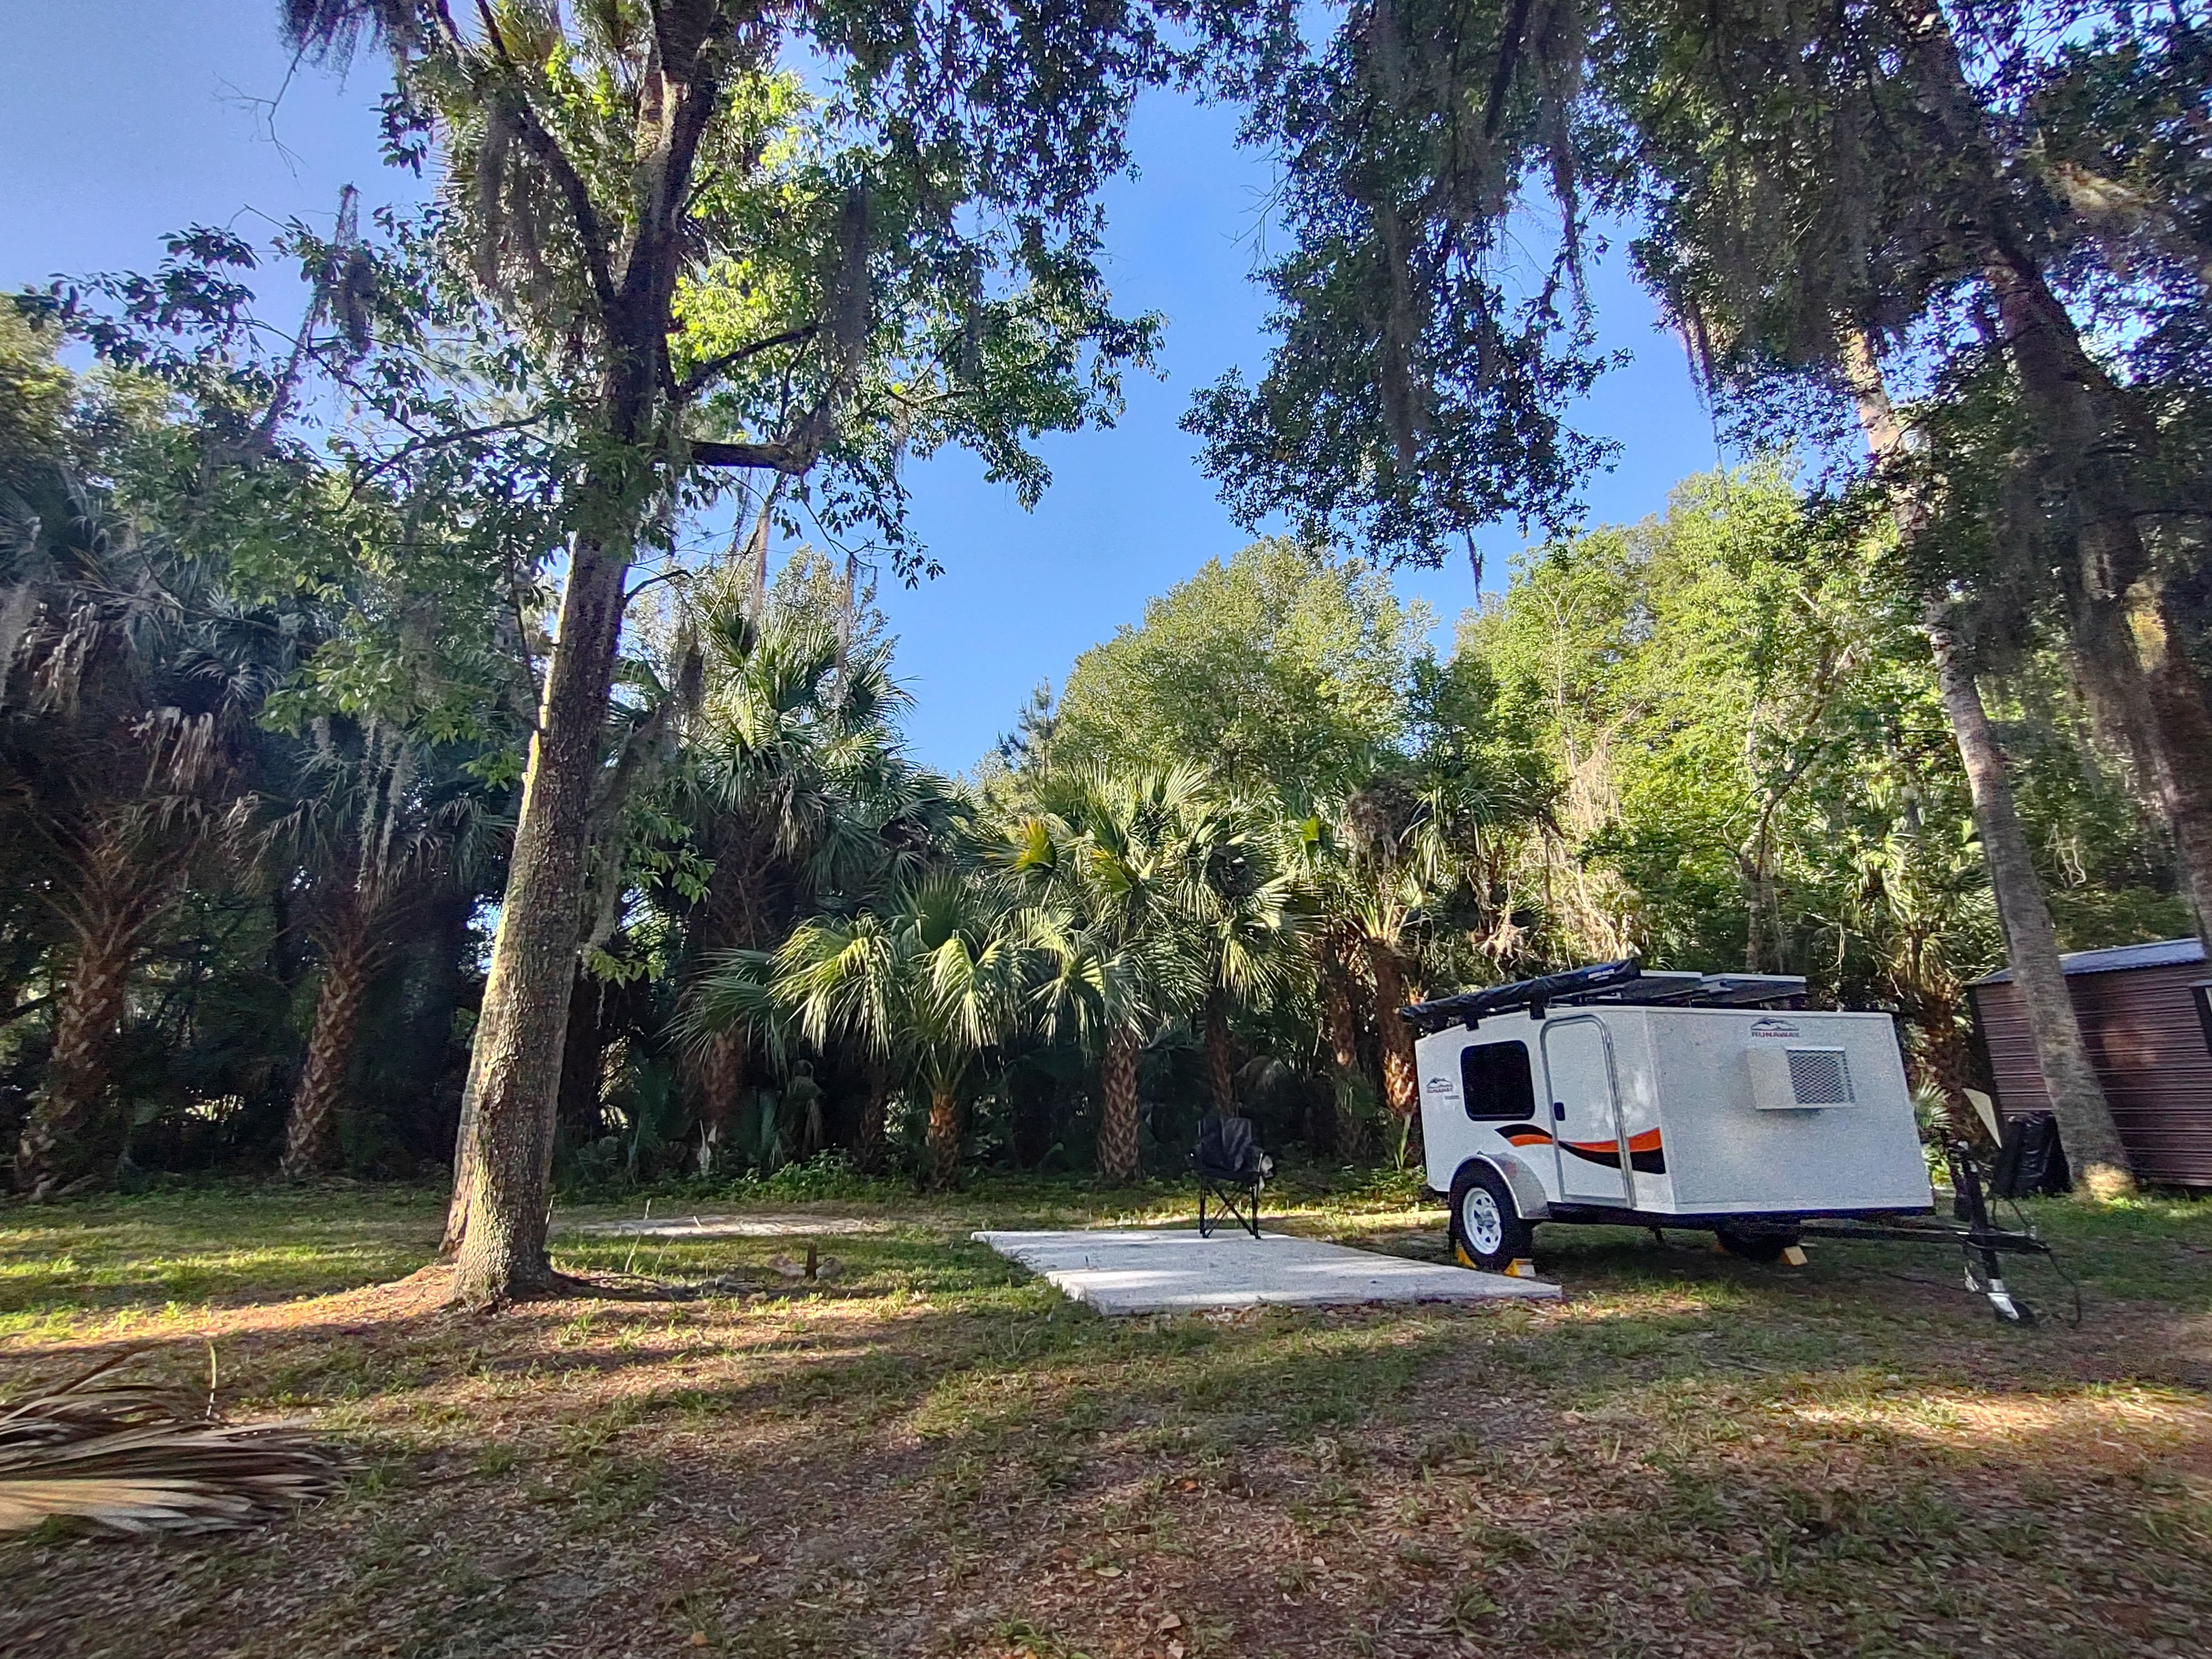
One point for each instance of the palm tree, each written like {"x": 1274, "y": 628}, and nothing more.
{"x": 800, "y": 796}
{"x": 1110, "y": 862}
{"x": 382, "y": 824}
{"x": 1386, "y": 863}
{"x": 927, "y": 982}
{"x": 1249, "y": 913}
{"x": 127, "y": 709}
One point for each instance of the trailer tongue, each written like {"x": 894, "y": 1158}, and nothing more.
{"x": 1702, "y": 1101}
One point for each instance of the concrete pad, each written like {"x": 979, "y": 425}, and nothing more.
{"x": 1161, "y": 1270}
{"x": 686, "y": 1225}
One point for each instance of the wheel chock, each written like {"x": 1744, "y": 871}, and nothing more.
{"x": 1794, "y": 1255}
{"x": 1520, "y": 1267}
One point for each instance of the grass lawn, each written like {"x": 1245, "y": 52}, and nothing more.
{"x": 927, "y": 1452}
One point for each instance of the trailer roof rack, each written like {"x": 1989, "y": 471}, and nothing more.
{"x": 1623, "y": 981}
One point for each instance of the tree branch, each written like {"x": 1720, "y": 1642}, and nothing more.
{"x": 439, "y": 442}
{"x": 546, "y": 149}
{"x": 791, "y": 459}
{"x": 698, "y": 379}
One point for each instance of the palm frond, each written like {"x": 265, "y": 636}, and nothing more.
{"x": 139, "y": 1457}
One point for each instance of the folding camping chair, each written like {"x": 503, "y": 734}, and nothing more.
{"x": 1231, "y": 1171}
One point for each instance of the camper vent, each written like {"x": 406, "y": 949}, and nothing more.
{"x": 1819, "y": 1077}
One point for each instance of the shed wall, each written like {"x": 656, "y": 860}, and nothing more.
{"x": 2148, "y": 1047}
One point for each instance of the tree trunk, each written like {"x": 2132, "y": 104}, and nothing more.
{"x": 2091, "y": 429}
{"x": 53, "y": 1147}
{"x": 1400, "y": 1088}
{"x": 310, "y": 1131}
{"x": 1940, "y": 1058}
{"x": 2030, "y": 941}
{"x": 875, "y": 1109}
{"x": 944, "y": 1135}
{"x": 717, "y": 1074}
{"x": 1339, "y": 1131}
{"x": 1755, "y": 928}
{"x": 1220, "y": 1061}
{"x": 1117, "y": 1107}
{"x": 733, "y": 916}
{"x": 583, "y": 1060}
{"x": 2173, "y": 695}
{"x": 2087, "y": 426}
{"x": 503, "y": 1167}
{"x": 2100, "y": 443}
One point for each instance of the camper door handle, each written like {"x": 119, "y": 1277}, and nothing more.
{"x": 1559, "y": 1111}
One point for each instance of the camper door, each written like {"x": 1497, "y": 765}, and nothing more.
{"x": 1585, "y": 1117}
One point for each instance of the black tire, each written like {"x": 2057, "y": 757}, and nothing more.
{"x": 1756, "y": 1243}
{"x": 1497, "y": 1222}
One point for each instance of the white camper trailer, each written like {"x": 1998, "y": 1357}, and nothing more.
{"x": 1661, "y": 1100}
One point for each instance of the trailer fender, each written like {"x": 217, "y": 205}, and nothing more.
{"x": 1528, "y": 1189}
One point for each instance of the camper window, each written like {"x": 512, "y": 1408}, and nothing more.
{"x": 1495, "y": 1082}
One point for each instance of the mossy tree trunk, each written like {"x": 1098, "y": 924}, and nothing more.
{"x": 503, "y": 1171}
{"x": 2069, "y": 1081}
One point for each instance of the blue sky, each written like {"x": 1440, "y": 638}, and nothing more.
{"x": 122, "y": 119}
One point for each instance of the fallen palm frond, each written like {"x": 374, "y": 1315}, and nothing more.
{"x": 137, "y": 1457}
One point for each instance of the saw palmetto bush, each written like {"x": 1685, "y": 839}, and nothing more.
{"x": 122, "y": 1456}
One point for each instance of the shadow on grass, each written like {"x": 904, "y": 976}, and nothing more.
{"x": 1840, "y": 1458}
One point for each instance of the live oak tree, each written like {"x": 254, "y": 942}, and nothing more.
{"x": 1825, "y": 184}
{"x": 1418, "y": 387}
{"x": 740, "y": 275}
{"x": 1830, "y": 181}
{"x": 1279, "y": 669}
{"x": 2062, "y": 1055}
{"x": 1809, "y": 174}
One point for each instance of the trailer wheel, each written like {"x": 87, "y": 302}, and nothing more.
{"x": 1762, "y": 1244}
{"x": 1487, "y": 1228}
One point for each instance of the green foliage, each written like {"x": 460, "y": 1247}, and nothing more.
{"x": 1752, "y": 769}
{"x": 275, "y": 602}
{"x": 841, "y": 277}
{"x": 1657, "y": 734}
{"x": 1282, "y": 670}
{"x": 1418, "y": 387}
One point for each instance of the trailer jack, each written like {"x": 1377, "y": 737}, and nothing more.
{"x": 2000, "y": 1299}
{"x": 1980, "y": 1240}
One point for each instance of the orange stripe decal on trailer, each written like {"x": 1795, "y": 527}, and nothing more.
{"x": 1645, "y": 1154}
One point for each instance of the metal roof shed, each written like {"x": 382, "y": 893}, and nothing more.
{"x": 2146, "y": 1022}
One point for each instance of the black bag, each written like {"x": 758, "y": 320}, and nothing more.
{"x": 2032, "y": 1164}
